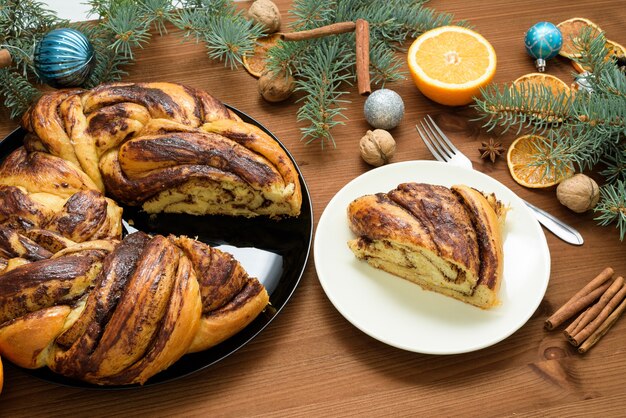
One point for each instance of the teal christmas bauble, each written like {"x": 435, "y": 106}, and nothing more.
{"x": 543, "y": 41}
{"x": 64, "y": 58}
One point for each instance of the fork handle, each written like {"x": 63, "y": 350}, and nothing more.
{"x": 556, "y": 226}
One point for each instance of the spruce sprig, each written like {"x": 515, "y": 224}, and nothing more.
{"x": 130, "y": 25}
{"x": 17, "y": 90}
{"x": 612, "y": 207}
{"x": 391, "y": 23}
{"x": 322, "y": 95}
{"x": 227, "y": 34}
{"x": 584, "y": 128}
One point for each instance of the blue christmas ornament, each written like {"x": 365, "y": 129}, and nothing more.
{"x": 64, "y": 58}
{"x": 543, "y": 41}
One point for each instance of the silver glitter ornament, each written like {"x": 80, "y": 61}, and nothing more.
{"x": 384, "y": 109}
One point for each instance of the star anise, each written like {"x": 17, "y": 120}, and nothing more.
{"x": 491, "y": 150}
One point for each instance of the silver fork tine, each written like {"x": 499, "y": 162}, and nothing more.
{"x": 426, "y": 141}
{"x": 443, "y": 136}
{"x": 437, "y": 143}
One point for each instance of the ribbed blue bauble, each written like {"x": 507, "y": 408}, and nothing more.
{"x": 543, "y": 41}
{"x": 64, "y": 58}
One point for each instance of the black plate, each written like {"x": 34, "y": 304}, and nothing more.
{"x": 289, "y": 238}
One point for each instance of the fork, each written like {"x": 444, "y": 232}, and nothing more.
{"x": 443, "y": 150}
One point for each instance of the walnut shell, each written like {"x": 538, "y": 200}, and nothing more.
{"x": 266, "y": 13}
{"x": 276, "y": 87}
{"x": 377, "y": 147}
{"x": 579, "y": 193}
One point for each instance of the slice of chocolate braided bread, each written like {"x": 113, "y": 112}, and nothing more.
{"x": 445, "y": 240}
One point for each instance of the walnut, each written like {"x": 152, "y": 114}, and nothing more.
{"x": 276, "y": 87}
{"x": 266, "y": 13}
{"x": 579, "y": 193}
{"x": 377, "y": 147}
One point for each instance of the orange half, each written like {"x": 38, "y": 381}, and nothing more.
{"x": 450, "y": 64}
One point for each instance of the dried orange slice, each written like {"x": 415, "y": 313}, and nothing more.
{"x": 571, "y": 29}
{"x": 450, "y": 64}
{"x": 255, "y": 63}
{"x": 522, "y": 157}
{"x": 555, "y": 84}
{"x": 613, "y": 50}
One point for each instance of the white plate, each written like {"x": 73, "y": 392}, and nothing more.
{"x": 400, "y": 313}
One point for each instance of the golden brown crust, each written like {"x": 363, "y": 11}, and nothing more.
{"x": 219, "y": 275}
{"x": 37, "y": 172}
{"x": 489, "y": 237}
{"x": 231, "y": 318}
{"x": 26, "y": 339}
{"x": 444, "y": 218}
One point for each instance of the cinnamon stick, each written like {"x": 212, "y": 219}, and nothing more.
{"x": 362, "y": 33}
{"x": 334, "y": 29}
{"x": 603, "y": 328}
{"x": 5, "y": 58}
{"x": 603, "y": 312}
{"x": 585, "y": 302}
{"x": 570, "y": 307}
{"x": 572, "y": 326}
{"x": 595, "y": 310}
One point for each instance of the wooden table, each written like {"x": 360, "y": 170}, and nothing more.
{"x": 310, "y": 360}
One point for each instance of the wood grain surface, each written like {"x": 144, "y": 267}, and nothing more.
{"x": 310, "y": 361}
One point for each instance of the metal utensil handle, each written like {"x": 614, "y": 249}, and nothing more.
{"x": 556, "y": 226}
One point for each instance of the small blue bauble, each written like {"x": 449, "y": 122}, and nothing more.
{"x": 64, "y": 58}
{"x": 384, "y": 109}
{"x": 543, "y": 41}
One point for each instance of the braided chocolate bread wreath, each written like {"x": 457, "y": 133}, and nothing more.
{"x": 74, "y": 295}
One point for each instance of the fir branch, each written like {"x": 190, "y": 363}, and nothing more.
{"x": 320, "y": 78}
{"x": 312, "y": 14}
{"x": 231, "y": 38}
{"x": 391, "y": 23}
{"x": 157, "y": 12}
{"x": 602, "y": 75}
{"x": 126, "y": 20}
{"x": 524, "y": 106}
{"x": 615, "y": 161}
{"x": 612, "y": 206}
{"x": 385, "y": 66}
{"x": 226, "y": 32}
{"x": 25, "y": 19}
{"x": 22, "y": 24}
{"x": 17, "y": 91}
{"x": 287, "y": 57}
